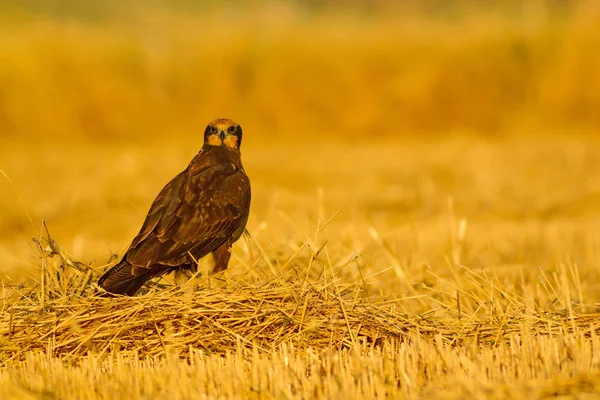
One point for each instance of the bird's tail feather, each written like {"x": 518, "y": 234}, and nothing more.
{"x": 121, "y": 280}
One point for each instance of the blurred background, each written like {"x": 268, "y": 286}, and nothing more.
{"x": 134, "y": 70}
{"x": 413, "y": 116}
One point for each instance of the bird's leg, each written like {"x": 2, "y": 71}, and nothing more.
{"x": 182, "y": 275}
{"x": 221, "y": 257}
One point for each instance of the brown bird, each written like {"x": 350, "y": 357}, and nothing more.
{"x": 202, "y": 210}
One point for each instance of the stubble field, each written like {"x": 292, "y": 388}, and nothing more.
{"x": 425, "y": 204}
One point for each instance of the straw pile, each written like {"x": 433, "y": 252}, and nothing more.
{"x": 64, "y": 316}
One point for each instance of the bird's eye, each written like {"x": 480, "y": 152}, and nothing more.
{"x": 213, "y": 129}
{"x": 231, "y": 129}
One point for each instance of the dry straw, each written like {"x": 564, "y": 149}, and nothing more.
{"x": 63, "y": 315}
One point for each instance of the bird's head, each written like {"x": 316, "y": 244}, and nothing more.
{"x": 223, "y": 132}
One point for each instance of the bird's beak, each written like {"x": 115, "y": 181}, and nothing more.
{"x": 221, "y": 135}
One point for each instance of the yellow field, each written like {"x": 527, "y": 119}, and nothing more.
{"x": 425, "y": 216}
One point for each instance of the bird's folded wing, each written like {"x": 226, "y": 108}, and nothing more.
{"x": 193, "y": 213}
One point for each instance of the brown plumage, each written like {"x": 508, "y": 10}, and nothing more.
{"x": 202, "y": 210}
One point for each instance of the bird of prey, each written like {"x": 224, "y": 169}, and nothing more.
{"x": 202, "y": 210}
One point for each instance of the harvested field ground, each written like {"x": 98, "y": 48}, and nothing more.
{"x": 425, "y": 219}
